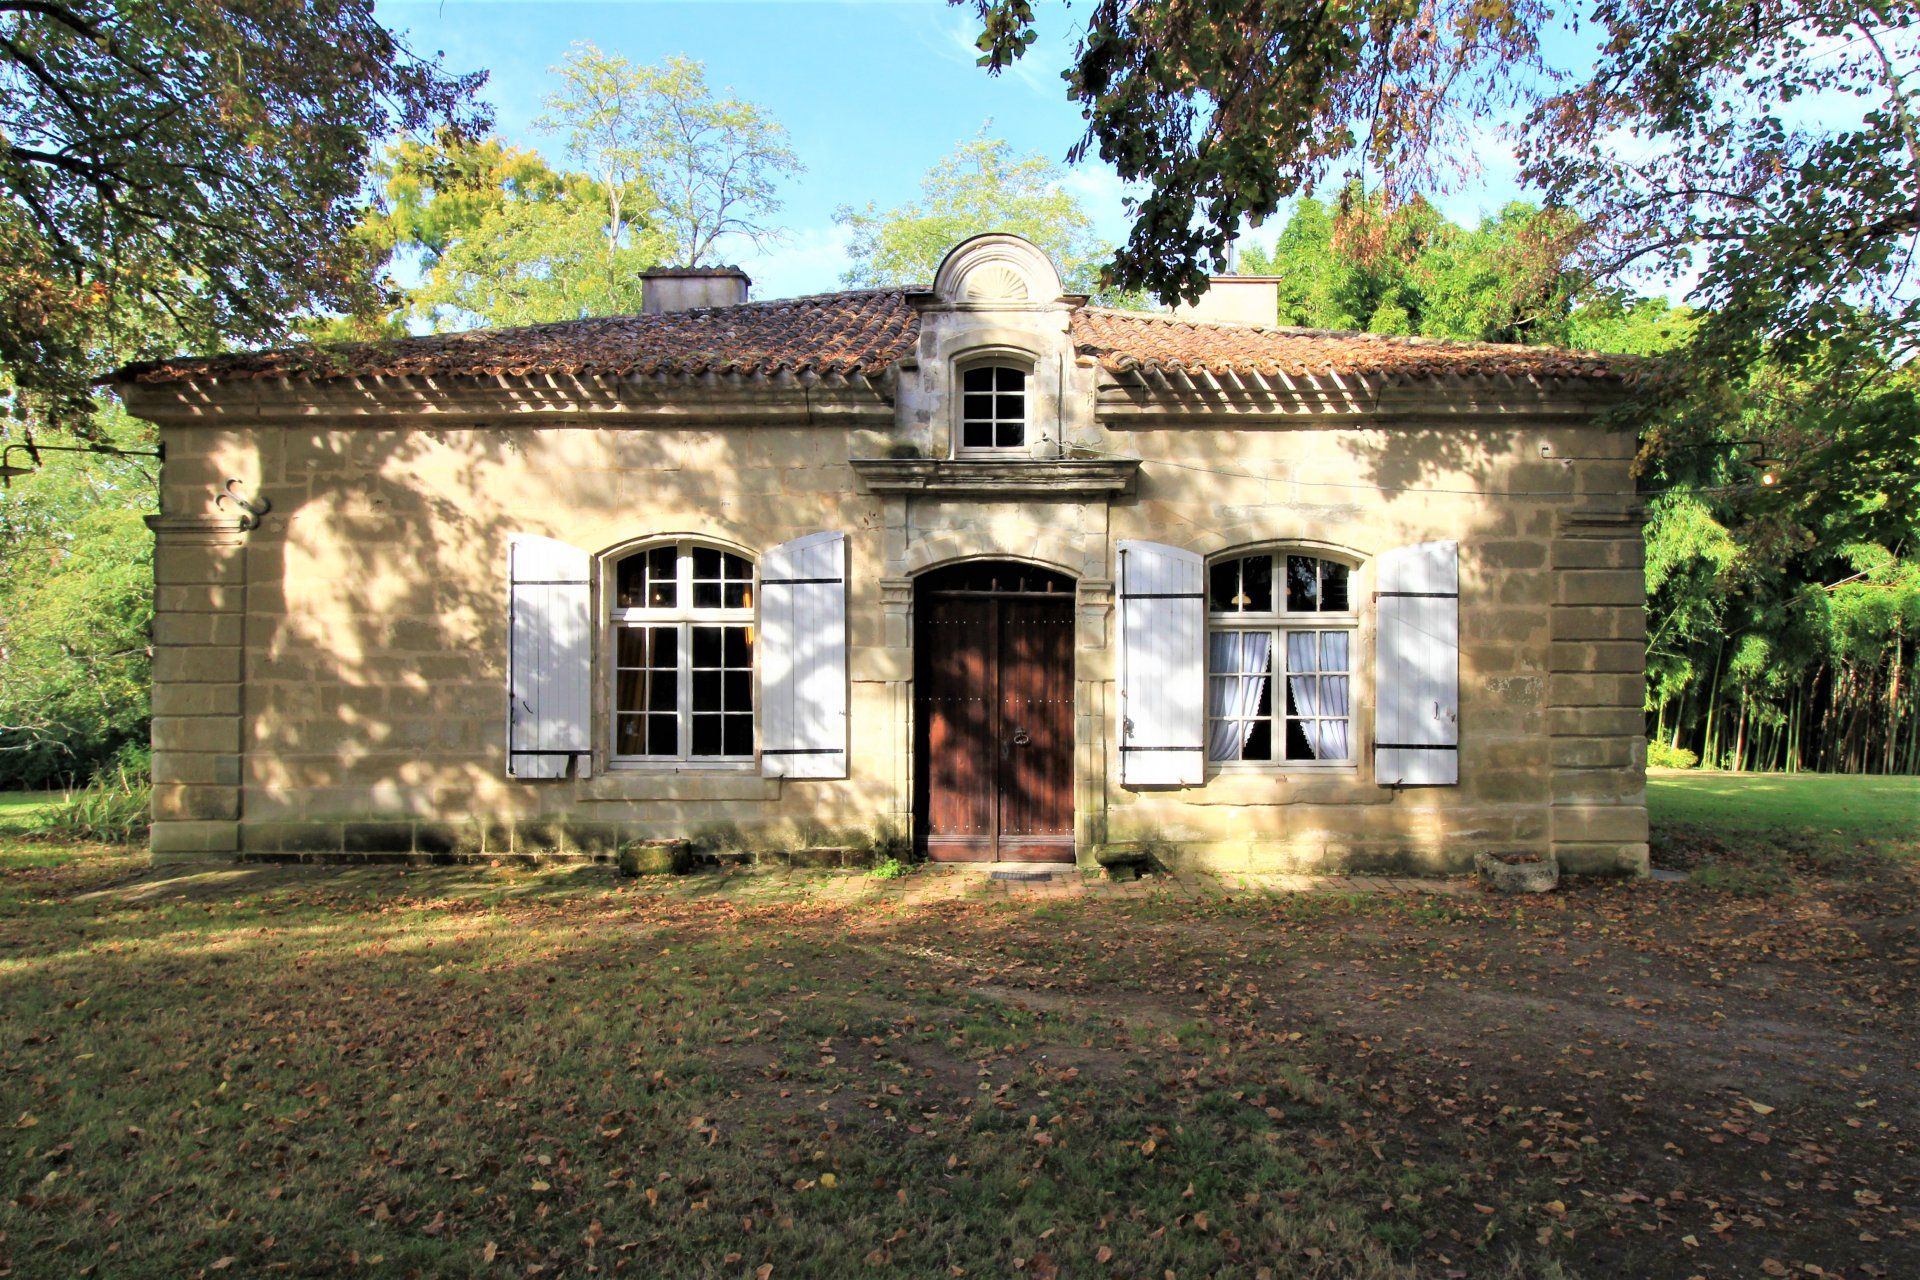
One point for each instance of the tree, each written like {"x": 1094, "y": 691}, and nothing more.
{"x": 76, "y": 610}
{"x": 500, "y": 238}
{"x": 983, "y": 186}
{"x": 1410, "y": 270}
{"x": 187, "y": 173}
{"x": 661, "y": 146}
{"x": 1773, "y": 147}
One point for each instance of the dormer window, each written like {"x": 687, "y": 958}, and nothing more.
{"x": 993, "y": 408}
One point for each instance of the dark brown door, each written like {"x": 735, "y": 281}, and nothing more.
{"x": 993, "y": 662}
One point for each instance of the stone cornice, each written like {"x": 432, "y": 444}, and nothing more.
{"x": 785, "y": 400}
{"x": 998, "y": 477}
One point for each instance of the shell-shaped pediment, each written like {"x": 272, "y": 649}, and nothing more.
{"x": 997, "y": 268}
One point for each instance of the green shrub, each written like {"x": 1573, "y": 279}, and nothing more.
{"x": 890, "y": 869}
{"x": 115, "y": 808}
{"x": 1663, "y": 755}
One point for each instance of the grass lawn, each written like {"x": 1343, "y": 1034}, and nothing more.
{"x": 1785, "y": 801}
{"x": 488, "y": 1071}
{"x": 18, "y": 809}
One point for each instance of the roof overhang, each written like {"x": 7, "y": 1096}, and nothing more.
{"x": 1169, "y": 396}
{"x": 777, "y": 399}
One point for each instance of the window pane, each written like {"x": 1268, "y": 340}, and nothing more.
{"x": 706, "y": 595}
{"x": 706, "y": 562}
{"x": 738, "y": 738}
{"x": 630, "y": 647}
{"x": 627, "y": 689}
{"x": 1256, "y": 583}
{"x": 736, "y": 691}
{"x": 1006, "y": 379}
{"x": 977, "y": 435}
{"x": 1333, "y": 587}
{"x": 663, "y": 691}
{"x": 1298, "y": 747}
{"x": 735, "y": 568}
{"x": 1010, "y": 435}
{"x": 1303, "y": 651}
{"x": 629, "y": 737}
{"x": 738, "y": 595}
{"x": 1223, "y": 584}
{"x": 1303, "y": 588}
{"x": 631, "y": 591}
{"x": 706, "y": 646}
{"x": 662, "y": 587}
{"x": 1333, "y": 651}
{"x": 663, "y": 735}
{"x": 976, "y": 407}
{"x": 706, "y": 690}
{"x": 1259, "y": 744}
{"x": 1010, "y": 407}
{"x": 666, "y": 647}
{"x": 706, "y": 735}
{"x": 739, "y": 648}
{"x": 977, "y": 380}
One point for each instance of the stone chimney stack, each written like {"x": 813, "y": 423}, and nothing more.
{"x": 684, "y": 288}
{"x": 1236, "y": 300}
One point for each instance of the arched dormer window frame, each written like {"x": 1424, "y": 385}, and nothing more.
{"x": 993, "y": 402}
{"x": 679, "y": 654}
{"x": 1282, "y": 647}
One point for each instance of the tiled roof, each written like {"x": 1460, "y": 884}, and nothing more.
{"x": 1125, "y": 341}
{"x": 863, "y": 331}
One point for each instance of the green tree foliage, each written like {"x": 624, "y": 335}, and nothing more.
{"x": 76, "y": 610}
{"x": 662, "y": 147}
{"x": 1411, "y": 270}
{"x": 982, "y": 186}
{"x": 497, "y": 237}
{"x": 1772, "y": 146}
{"x": 187, "y": 172}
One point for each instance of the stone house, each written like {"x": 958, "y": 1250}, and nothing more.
{"x": 1023, "y": 577}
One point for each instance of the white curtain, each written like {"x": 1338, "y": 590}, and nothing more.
{"x": 1240, "y": 661}
{"x": 1324, "y": 697}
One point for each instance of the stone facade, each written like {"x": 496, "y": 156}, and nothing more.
{"x": 331, "y": 613}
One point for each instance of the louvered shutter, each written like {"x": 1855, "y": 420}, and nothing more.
{"x": 1163, "y": 678}
{"x": 803, "y": 658}
{"x": 1416, "y": 671}
{"x": 549, "y": 658}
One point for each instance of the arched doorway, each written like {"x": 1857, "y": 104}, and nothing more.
{"x": 993, "y": 713}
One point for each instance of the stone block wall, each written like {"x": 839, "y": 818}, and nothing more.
{"x": 331, "y": 683}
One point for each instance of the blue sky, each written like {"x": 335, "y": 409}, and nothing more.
{"x": 873, "y": 92}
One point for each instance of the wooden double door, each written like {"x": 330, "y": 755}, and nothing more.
{"x": 993, "y": 690}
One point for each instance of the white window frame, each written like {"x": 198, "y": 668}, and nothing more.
{"x": 1279, "y": 622}
{"x": 683, "y": 616}
{"x": 994, "y": 360}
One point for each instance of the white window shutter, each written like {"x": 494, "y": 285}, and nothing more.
{"x": 1163, "y": 677}
{"x": 549, "y": 659}
{"x": 803, "y": 658}
{"x": 1416, "y": 670}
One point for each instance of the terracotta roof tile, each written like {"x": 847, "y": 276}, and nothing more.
{"x": 1124, "y": 341}
{"x": 859, "y": 331}
{"x": 864, "y": 331}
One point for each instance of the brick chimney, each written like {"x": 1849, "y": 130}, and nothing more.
{"x": 684, "y": 288}
{"x": 1236, "y": 300}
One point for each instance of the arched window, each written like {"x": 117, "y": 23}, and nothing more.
{"x": 682, "y": 648}
{"x": 1279, "y": 659}
{"x": 993, "y": 407}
